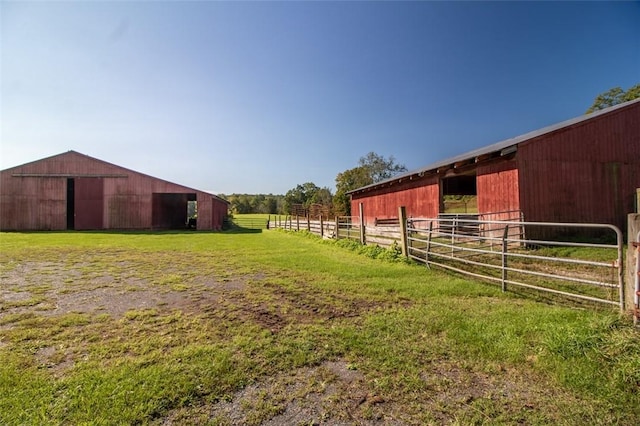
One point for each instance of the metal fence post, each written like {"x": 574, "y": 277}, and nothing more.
{"x": 426, "y": 255}
{"x": 620, "y": 268}
{"x": 505, "y": 235}
{"x": 454, "y": 225}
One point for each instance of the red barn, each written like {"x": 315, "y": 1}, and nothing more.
{"x": 75, "y": 191}
{"x": 584, "y": 170}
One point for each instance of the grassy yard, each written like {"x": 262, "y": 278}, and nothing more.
{"x": 276, "y": 328}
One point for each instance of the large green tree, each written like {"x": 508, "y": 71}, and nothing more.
{"x": 372, "y": 168}
{"x": 345, "y": 182}
{"x": 380, "y": 168}
{"x": 613, "y": 97}
{"x": 306, "y": 194}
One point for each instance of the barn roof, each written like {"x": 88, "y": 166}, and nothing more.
{"x": 87, "y": 157}
{"x": 505, "y": 147}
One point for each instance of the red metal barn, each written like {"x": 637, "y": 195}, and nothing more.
{"x": 75, "y": 191}
{"x": 583, "y": 170}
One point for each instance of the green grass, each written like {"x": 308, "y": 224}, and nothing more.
{"x": 159, "y": 323}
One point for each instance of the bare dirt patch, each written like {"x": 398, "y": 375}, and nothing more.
{"x": 278, "y": 307}
{"x": 334, "y": 393}
{"x": 65, "y": 290}
{"x": 329, "y": 394}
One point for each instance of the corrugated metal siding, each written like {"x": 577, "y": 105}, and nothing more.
{"x": 421, "y": 199}
{"x": 584, "y": 173}
{"x": 89, "y": 203}
{"x": 218, "y": 213}
{"x": 28, "y": 203}
{"x": 497, "y": 188}
{"x": 38, "y": 202}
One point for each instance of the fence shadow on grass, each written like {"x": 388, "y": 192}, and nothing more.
{"x": 241, "y": 230}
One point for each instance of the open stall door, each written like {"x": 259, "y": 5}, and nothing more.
{"x": 170, "y": 210}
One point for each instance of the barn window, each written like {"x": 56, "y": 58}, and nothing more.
{"x": 459, "y": 194}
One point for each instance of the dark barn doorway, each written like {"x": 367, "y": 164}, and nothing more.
{"x": 459, "y": 194}
{"x": 71, "y": 207}
{"x": 170, "y": 211}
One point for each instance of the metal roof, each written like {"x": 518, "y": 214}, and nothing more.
{"x": 499, "y": 146}
{"x": 72, "y": 152}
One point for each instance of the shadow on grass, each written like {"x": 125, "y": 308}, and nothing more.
{"x": 241, "y": 230}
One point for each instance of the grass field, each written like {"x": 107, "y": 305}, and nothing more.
{"x": 275, "y": 328}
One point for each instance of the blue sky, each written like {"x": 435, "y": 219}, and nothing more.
{"x": 257, "y": 97}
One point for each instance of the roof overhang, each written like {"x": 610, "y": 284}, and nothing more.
{"x": 505, "y": 149}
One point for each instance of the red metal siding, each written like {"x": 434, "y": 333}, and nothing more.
{"x": 206, "y": 221}
{"x": 27, "y": 203}
{"x": 89, "y": 202}
{"x": 497, "y": 188}
{"x": 583, "y": 173}
{"x": 33, "y": 196}
{"x": 421, "y": 199}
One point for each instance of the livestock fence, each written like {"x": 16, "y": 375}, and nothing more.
{"x": 339, "y": 227}
{"x": 246, "y": 223}
{"x": 588, "y": 269}
{"x": 506, "y": 252}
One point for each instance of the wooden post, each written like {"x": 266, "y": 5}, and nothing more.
{"x": 337, "y": 229}
{"x": 309, "y": 222}
{"x": 402, "y": 216}
{"x": 321, "y": 227}
{"x": 297, "y": 222}
{"x": 361, "y": 208}
{"x": 633, "y": 252}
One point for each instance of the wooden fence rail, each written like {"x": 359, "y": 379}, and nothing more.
{"x": 341, "y": 227}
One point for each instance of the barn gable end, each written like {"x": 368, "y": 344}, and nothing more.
{"x": 75, "y": 191}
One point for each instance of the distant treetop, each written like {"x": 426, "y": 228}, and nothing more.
{"x": 613, "y": 97}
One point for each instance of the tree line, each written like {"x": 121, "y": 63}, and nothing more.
{"x": 371, "y": 168}
{"x": 255, "y": 203}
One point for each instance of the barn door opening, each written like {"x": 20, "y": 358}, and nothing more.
{"x": 459, "y": 195}
{"x": 192, "y": 214}
{"x": 171, "y": 210}
{"x": 71, "y": 208}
